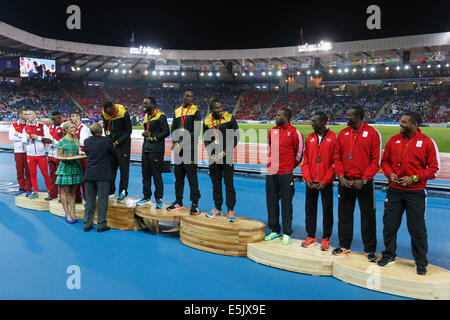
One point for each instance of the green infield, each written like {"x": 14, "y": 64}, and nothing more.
{"x": 257, "y": 133}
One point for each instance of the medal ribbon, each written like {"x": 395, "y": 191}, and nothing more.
{"x": 183, "y": 118}
{"x": 148, "y": 118}
{"x": 353, "y": 140}
{"x": 218, "y": 126}
{"x": 112, "y": 117}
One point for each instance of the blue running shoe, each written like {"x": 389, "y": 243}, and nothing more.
{"x": 121, "y": 197}
{"x": 142, "y": 202}
{"x": 18, "y": 193}
{"x": 34, "y": 195}
{"x": 272, "y": 236}
{"x": 27, "y": 194}
{"x": 214, "y": 213}
{"x": 158, "y": 204}
{"x": 231, "y": 217}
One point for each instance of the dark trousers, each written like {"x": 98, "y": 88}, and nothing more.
{"x": 414, "y": 202}
{"x": 216, "y": 173}
{"x": 280, "y": 186}
{"x": 181, "y": 171}
{"x": 23, "y": 173}
{"x": 121, "y": 159}
{"x": 53, "y": 164}
{"x": 346, "y": 206}
{"x": 152, "y": 166}
{"x": 312, "y": 197}
{"x": 81, "y": 187}
{"x": 94, "y": 188}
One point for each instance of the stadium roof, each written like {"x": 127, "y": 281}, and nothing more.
{"x": 16, "y": 42}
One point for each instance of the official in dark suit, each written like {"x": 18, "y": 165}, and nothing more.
{"x": 98, "y": 177}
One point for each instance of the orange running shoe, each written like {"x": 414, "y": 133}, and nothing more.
{"x": 325, "y": 244}
{"x": 309, "y": 241}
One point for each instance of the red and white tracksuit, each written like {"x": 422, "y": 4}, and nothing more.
{"x": 36, "y": 152}
{"x": 358, "y": 154}
{"x": 53, "y": 163}
{"x": 417, "y": 156}
{"x": 20, "y": 156}
{"x": 285, "y": 149}
{"x": 317, "y": 163}
{"x": 82, "y": 132}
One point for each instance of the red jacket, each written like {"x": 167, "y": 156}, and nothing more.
{"x": 418, "y": 156}
{"x": 285, "y": 149}
{"x": 322, "y": 171}
{"x": 365, "y": 155}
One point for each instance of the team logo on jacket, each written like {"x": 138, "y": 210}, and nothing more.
{"x": 398, "y": 141}
{"x": 419, "y": 143}
{"x": 312, "y": 140}
{"x": 288, "y": 134}
{"x": 365, "y": 133}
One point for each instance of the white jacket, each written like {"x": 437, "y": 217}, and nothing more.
{"x": 35, "y": 148}
{"x": 15, "y": 135}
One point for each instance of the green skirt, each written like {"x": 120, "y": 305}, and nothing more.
{"x": 69, "y": 173}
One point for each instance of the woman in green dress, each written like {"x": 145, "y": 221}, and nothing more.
{"x": 69, "y": 172}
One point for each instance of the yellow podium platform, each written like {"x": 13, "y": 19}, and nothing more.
{"x": 399, "y": 278}
{"x": 38, "y": 204}
{"x": 217, "y": 235}
{"x": 292, "y": 257}
{"x": 151, "y": 216}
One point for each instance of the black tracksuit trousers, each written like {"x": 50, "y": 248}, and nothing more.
{"x": 312, "y": 197}
{"x": 152, "y": 166}
{"x": 216, "y": 173}
{"x": 280, "y": 187}
{"x": 346, "y": 206}
{"x": 414, "y": 203}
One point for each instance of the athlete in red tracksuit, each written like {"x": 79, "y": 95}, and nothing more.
{"x": 357, "y": 159}
{"x": 56, "y": 132}
{"x": 409, "y": 160}
{"x": 285, "y": 153}
{"x": 318, "y": 172}
{"x": 20, "y": 154}
{"x": 33, "y": 136}
{"x": 82, "y": 132}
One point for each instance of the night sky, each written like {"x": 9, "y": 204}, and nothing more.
{"x": 225, "y": 24}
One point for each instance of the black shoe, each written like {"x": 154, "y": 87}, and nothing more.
{"x": 385, "y": 261}
{"x": 49, "y": 198}
{"x": 103, "y": 229}
{"x": 175, "y": 206}
{"x": 421, "y": 270}
{"x": 371, "y": 256}
{"x": 340, "y": 251}
{"x": 86, "y": 229}
{"x": 194, "y": 209}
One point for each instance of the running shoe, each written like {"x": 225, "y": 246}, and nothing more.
{"x": 308, "y": 242}
{"x": 286, "y": 239}
{"x": 214, "y": 213}
{"x": 175, "y": 206}
{"x": 272, "y": 236}
{"x": 340, "y": 251}
{"x": 231, "y": 217}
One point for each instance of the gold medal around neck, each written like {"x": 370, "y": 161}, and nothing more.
{"x": 216, "y": 141}
{"x": 108, "y": 133}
